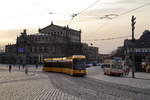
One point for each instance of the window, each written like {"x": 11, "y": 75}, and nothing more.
{"x": 148, "y": 49}
{"x": 35, "y": 50}
{"x": 31, "y": 49}
{"x": 45, "y": 49}
{"x": 145, "y": 49}
{"x": 39, "y": 38}
{"x": 53, "y": 49}
{"x": 40, "y": 49}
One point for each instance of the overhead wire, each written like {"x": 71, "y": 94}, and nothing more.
{"x": 106, "y": 16}
{"x": 109, "y": 38}
{"x": 146, "y": 4}
{"x": 89, "y": 6}
{"x": 43, "y": 8}
{"x": 106, "y": 23}
{"x": 26, "y": 15}
{"x": 129, "y": 12}
{"x": 74, "y": 15}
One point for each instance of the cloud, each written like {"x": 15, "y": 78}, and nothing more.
{"x": 97, "y": 12}
{"x": 127, "y": 1}
{"x": 120, "y": 1}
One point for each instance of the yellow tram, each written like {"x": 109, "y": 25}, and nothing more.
{"x": 72, "y": 65}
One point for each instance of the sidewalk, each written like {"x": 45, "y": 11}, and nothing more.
{"x": 14, "y": 75}
{"x": 141, "y": 75}
{"x": 35, "y": 85}
{"x": 141, "y": 80}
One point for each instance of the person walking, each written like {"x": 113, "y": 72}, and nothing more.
{"x": 129, "y": 65}
{"x": 19, "y": 66}
{"x": 10, "y": 67}
{"x": 36, "y": 66}
{"x": 23, "y": 66}
{"x": 26, "y": 70}
{"x": 127, "y": 70}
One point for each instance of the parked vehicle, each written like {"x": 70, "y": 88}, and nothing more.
{"x": 88, "y": 65}
{"x": 113, "y": 69}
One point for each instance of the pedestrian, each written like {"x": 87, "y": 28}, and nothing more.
{"x": 128, "y": 70}
{"x": 23, "y": 66}
{"x": 36, "y": 66}
{"x": 129, "y": 65}
{"x": 10, "y": 67}
{"x": 124, "y": 69}
{"x": 19, "y": 66}
{"x": 26, "y": 70}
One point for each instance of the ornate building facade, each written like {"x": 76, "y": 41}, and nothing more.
{"x": 50, "y": 41}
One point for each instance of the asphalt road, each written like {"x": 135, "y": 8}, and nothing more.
{"x": 88, "y": 88}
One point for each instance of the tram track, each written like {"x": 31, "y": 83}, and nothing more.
{"x": 92, "y": 89}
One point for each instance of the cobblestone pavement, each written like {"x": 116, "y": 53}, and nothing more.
{"x": 34, "y": 86}
{"x": 38, "y": 85}
{"x": 92, "y": 89}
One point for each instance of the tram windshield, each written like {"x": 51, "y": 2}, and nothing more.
{"x": 79, "y": 63}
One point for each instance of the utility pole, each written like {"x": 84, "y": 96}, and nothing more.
{"x": 133, "y": 40}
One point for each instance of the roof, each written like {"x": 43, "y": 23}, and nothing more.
{"x": 142, "y": 42}
{"x": 145, "y": 36}
{"x": 53, "y": 27}
{"x": 57, "y": 60}
{"x": 77, "y": 56}
{"x": 137, "y": 44}
{"x": 64, "y": 59}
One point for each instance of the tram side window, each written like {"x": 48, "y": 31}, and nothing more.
{"x": 67, "y": 64}
{"x": 45, "y": 64}
{"x": 57, "y": 64}
{"x": 50, "y": 64}
{"x": 61, "y": 64}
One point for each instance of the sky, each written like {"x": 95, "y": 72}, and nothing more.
{"x": 97, "y": 29}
